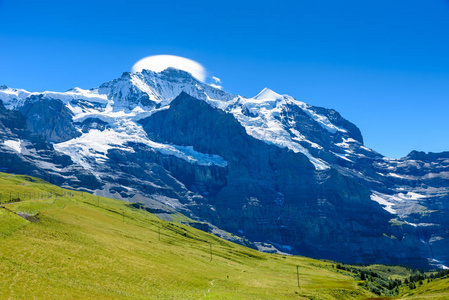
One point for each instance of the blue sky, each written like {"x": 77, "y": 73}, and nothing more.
{"x": 384, "y": 65}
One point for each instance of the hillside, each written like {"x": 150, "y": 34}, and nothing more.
{"x": 78, "y": 245}
{"x": 429, "y": 290}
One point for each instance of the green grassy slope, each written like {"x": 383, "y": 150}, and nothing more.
{"x": 81, "y": 246}
{"x": 433, "y": 290}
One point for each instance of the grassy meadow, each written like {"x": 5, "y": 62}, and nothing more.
{"x": 58, "y": 244}
{"x": 437, "y": 289}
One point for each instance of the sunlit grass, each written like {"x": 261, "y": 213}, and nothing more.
{"x": 437, "y": 289}
{"x": 84, "y": 246}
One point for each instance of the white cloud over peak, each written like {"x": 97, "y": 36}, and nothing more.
{"x": 158, "y": 63}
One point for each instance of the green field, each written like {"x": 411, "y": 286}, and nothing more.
{"x": 74, "y": 245}
{"x": 438, "y": 289}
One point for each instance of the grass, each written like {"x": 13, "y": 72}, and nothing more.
{"x": 438, "y": 289}
{"x": 82, "y": 246}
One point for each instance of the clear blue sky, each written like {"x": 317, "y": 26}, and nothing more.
{"x": 383, "y": 64}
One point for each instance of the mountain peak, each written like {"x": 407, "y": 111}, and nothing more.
{"x": 267, "y": 94}
{"x": 174, "y": 72}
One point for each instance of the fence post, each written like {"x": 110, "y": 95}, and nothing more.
{"x": 297, "y": 274}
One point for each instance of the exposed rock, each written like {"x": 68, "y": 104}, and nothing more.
{"x": 49, "y": 118}
{"x": 92, "y": 123}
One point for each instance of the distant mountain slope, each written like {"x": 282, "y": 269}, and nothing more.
{"x": 270, "y": 168}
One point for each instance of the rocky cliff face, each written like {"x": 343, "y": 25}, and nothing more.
{"x": 49, "y": 118}
{"x": 277, "y": 195}
{"x": 22, "y": 151}
{"x": 269, "y": 168}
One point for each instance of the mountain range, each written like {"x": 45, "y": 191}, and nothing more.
{"x": 269, "y": 171}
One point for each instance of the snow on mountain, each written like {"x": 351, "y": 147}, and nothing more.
{"x": 267, "y": 94}
{"x": 15, "y": 145}
{"x": 133, "y": 96}
{"x": 13, "y": 98}
{"x": 386, "y": 201}
{"x": 95, "y": 145}
{"x": 121, "y": 103}
{"x": 261, "y": 118}
{"x": 150, "y": 89}
{"x": 156, "y": 90}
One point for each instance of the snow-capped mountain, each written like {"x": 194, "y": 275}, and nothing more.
{"x": 269, "y": 168}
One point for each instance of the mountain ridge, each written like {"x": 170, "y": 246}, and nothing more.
{"x": 215, "y": 148}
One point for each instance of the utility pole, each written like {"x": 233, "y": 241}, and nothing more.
{"x": 159, "y": 234}
{"x": 210, "y": 251}
{"x": 297, "y": 274}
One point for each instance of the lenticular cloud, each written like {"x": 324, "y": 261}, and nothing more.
{"x": 158, "y": 63}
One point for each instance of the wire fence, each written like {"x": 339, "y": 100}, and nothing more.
{"x": 12, "y": 197}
